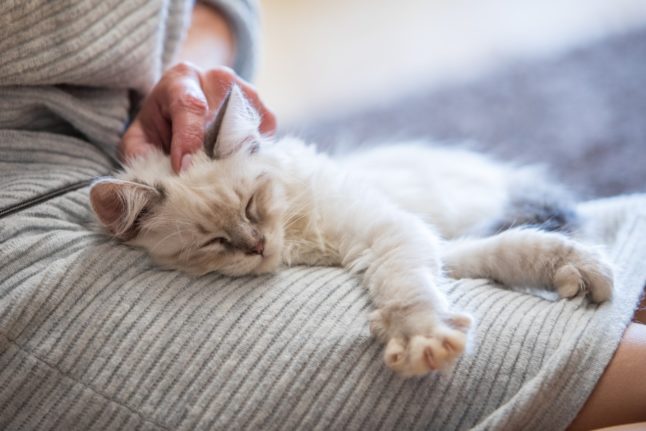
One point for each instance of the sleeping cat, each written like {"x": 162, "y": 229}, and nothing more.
{"x": 402, "y": 217}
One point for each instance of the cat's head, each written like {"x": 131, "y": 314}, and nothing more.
{"x": 222, "y": 214}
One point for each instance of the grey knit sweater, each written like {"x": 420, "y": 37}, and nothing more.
{"x": 94, "y": 336}
{"x": 70, "y": 66}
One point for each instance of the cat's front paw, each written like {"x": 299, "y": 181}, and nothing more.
{"x": 584, "y": 271}
{"x": 419, "y": 341}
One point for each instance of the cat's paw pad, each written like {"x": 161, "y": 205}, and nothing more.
{"x": 421, "y": 354}
{"x": 419, "y": 347}
{"x": 586, "y": 272}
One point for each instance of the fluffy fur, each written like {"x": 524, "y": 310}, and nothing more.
{"x": 402, "y": 217}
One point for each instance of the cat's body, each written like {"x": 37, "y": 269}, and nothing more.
{"x": 402, "y": 217}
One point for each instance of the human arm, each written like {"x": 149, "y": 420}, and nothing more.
{"x": 173, "y": 116}
{"x": 210, "y": 41}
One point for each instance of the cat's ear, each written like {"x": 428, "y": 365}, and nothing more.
{"x": 120, "y": 205}
{"x": 235, "y": 128}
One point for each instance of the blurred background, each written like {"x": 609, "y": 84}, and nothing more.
{"x": 555, "y": 82}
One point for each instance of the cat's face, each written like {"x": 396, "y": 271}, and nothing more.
{"x": 223, "y": 214}
{"x": 220, "y": 215}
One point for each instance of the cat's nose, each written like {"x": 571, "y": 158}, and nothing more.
{"x": 259, "y": 247}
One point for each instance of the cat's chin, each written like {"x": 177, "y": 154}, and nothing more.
{"x": 255, "y": 265}
{"x": 269, "y": 263}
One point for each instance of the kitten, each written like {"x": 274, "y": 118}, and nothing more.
{"x": 403, "y": 217}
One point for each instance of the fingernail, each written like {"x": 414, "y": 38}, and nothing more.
{"x": 187, "y": 160}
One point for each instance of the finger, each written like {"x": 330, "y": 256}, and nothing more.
{"x": 134, "y": 143}
{"x": 267, "y": 117}
{"x": 187, "y": 109}
{"x": 268, "y": 123}
{"x": 217, "y": 83}
{"x": 154, "y": 123}
{"x": 131, "y": 150}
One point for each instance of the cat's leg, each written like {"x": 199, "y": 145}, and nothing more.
{"x": 532, "y": 257}
{"x": 398, "y": 256}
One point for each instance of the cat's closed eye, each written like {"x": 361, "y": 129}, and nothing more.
{"x": 250, "y": 210}
{"x": 216, "y": 240}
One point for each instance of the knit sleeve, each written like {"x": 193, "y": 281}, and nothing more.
{"x": 243, "y": 17}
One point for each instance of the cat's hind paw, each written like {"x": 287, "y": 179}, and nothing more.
{"x": 586, "y": 271}
{"x": 423, "y": 344}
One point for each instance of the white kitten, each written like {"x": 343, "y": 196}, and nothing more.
{"x": 402, "y": 217}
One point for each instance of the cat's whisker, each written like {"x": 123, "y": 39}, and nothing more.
{"x": 399, "y": 217}
{"x": 164, "y": 239}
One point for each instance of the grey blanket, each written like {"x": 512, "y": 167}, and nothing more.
{"x": 93, "y": 336}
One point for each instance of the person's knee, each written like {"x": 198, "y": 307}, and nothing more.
{"x": 618, "y": 398}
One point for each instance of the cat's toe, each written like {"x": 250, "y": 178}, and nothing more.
{"x": 395, "y": 353}
{"x": 600, "y": 282}
{"x": 568, "y": 281}
{"x": 588, "y": 272}
{"x": 460, "y": 321}
{"x": 442, "y": 350}
{"x": 420, "y": 354}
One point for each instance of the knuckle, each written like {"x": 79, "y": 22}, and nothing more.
{"x": 226, "y": 71}
{"x": 222, "y": 74}
{"x": 183, "y": 68}
{"x": 189, "y": 138}
{"x": 188, "y": 102}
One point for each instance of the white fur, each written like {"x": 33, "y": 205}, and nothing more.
{"x": 397, "y": 216}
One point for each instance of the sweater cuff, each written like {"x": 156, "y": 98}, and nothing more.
{"x": 242, "y": 16}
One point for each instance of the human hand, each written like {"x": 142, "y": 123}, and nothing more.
{"x": 174, "y": 115}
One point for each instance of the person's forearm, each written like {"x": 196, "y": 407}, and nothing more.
{"x": 210, "y": 41}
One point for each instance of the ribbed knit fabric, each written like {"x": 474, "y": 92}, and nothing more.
{"x": 93, "y": 336}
